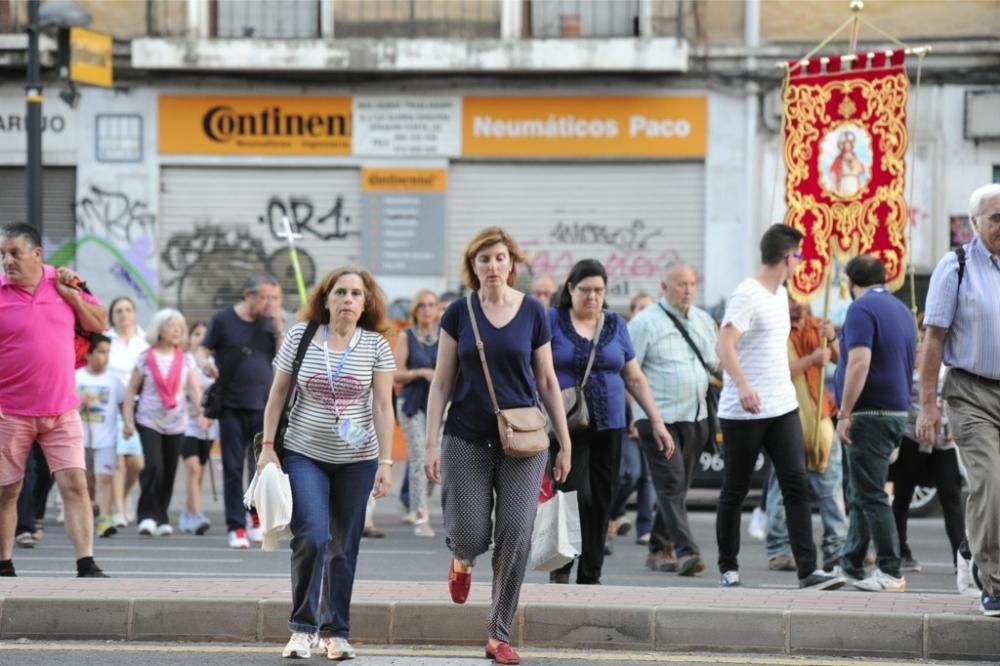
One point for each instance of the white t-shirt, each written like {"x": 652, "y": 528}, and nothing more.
{"x": 100, "y": 396}
{"x": 762, "y": 350}
{"x": 319, "y": 409}
{"x": 122, "y": 357}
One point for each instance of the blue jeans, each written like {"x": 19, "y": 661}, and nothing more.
{"x": 829, "y": 490}
{"x": 873, "y": 437}
{"x": 635, "y": 476}
{"x": 328, "y": 515}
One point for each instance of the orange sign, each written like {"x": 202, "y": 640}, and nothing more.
{"x": 255, "y": 125}
{"x": 404, "y": 180}
{"x": 585, "y": 126}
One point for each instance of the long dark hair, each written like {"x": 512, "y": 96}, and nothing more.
{"x": 583, "y": 269}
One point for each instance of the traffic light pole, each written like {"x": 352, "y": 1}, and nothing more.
{"x": 33, "y": 125}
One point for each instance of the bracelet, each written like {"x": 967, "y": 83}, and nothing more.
{"x": 385, "y": 461}
{"x": 267, "y": 442}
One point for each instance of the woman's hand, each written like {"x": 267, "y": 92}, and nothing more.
{"x": 128, "y": 429}
{"x": 267, "y": 457}
{"x": 432, "y": 465}
{"x": 663, "y": 439}
{"x": 383, "y": 481}
{"x": 560, "y": 470}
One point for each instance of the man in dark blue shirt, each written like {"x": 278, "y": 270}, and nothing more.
{"x": 244, "y": 340}
{"x": 878, "y": 348}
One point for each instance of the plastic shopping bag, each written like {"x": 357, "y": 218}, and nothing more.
{"x": 556, "y": 540}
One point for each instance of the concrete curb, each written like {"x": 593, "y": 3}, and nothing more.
{"x": 632, "y": 627}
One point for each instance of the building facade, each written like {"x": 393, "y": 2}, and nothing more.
{"x": 639, "y": 132}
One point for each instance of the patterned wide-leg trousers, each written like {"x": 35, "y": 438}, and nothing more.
{"x": 477, "y": 479}
{"x": 414, "y": 430}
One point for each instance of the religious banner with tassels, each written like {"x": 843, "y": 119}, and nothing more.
{"x": 845, "y": 142}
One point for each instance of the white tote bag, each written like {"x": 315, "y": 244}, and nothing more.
{"x": 556, "y": 540}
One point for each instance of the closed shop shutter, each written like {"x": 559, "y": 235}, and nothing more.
{"x": 58, "y": 203}
{"x": 219, "y": 225}
{"x": 636, "y": 218}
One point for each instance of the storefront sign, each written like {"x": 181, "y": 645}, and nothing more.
{"x": 403, "y": 213}
{"x": 90, "y": 57}
{"x": 407, "y": 126}
{"x": 585, "y": 126}
{"x": 58, "y": 128}
{"x": 255, "y": 125}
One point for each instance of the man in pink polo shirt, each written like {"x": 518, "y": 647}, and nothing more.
{"x": 38, "y": 402}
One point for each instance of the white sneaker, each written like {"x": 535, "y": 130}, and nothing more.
{"x": 118, "y": 520}
{"x": 964, "y": 579}
{"x": 731, "y": 579}
{"x": 338, "y": 648}
{"x": 255, "y": 535}
{"x": 758, "y": 524}
{"x": 877, "y": 581}
{"x": 300, "y": 645}
{"x": 147, "y": 527}
{"x": 422, "y": 528}
{"x": 164, "y": 530}
{"x": 238, "y": 539}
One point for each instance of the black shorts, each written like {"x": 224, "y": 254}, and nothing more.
{"x": 196, "y": 447}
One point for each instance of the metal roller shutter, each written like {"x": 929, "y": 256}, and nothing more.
{"x": 218, "y": 225}
{"x": 636, "y": 218}
{"x": 58, "y": 203}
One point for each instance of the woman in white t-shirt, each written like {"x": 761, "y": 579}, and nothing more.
{"x": 337, "y": 446}
{"x": 128, "y": 341}
{"x": 163, "y": 379}
{"x": 201, "y": 433}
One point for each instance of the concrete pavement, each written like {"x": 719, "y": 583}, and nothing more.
{"x": 913, "y": 626}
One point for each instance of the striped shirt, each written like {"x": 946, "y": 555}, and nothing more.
{"x": 676, "y": 377}
{"x": 969, "y": 311}
{"x": 320, "y": 410}
{"x": 762, "y": 351}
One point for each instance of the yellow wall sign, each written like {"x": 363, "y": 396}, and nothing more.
{"x": 239, "y": 125}
{"x": 585, "y": 126}
{"x": 403, "y": 180}
{"x": 90, "y": 57}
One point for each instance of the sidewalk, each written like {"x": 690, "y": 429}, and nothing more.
{"x": 928, "y": 626}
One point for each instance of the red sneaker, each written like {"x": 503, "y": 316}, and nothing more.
{"x": 458, "y": 584}
{"x": 502, "y": 654}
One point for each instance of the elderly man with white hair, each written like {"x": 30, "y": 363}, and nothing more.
{"x": 962, "y": 312}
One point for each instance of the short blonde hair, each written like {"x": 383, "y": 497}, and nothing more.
{"x": 160, "y": 320}
{"x": 484, "y": 239}
{"x": 415, "y": 303}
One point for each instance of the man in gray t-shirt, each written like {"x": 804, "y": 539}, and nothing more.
{"x": 243, "y": 340}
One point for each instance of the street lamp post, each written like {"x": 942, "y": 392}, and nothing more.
{"x": 33, "y": 124}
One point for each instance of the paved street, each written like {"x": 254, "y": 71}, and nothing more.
{"x": 401, "y": 556}
{"x": 111, "y": 653}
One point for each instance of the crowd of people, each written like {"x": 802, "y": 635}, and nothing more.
{"x": 630, "y": 403}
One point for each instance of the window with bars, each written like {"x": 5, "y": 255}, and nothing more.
{"x": 584, "y": 18}
{"x": 267, "y": 19}
{"x": 401, "y": 19}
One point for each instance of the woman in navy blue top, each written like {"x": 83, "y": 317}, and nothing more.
{"x": 479, "y": 480}
{"x": 596, "y": 449}
{"x": 416, "y": 353}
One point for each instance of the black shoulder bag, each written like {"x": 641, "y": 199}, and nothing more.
{"x": 712, "y": 395}
{"x": 279, "y": 433}
{"x": 211, "y": 401}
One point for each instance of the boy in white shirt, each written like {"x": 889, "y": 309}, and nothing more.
{"x": 101, "y": 395}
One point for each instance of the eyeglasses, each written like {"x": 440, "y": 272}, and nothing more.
{"x": 795, "y": 255}
{"x": 992, "y": 218}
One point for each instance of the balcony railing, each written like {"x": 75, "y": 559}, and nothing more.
{"x": 584, "y": 18}
{"x": 401, "y": 19}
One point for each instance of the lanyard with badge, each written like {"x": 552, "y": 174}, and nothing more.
{"x": 352, "y": 433}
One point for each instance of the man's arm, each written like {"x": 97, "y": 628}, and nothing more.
{"x": 730, "y": 362}
{"x": 929, "y": 418}
{"x": 89, "y": 313}
{"x": 859, "y": 360}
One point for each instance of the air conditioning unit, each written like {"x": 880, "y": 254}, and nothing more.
{"x": 982, "y": 115}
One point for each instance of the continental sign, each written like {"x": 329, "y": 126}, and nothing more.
{"x": 255, "y": 125}
{"x": 90, "y": 57}
{"x": 403, "y": 180}
{"x": 585, "y": 126}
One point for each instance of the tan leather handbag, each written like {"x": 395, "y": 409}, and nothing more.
{"x": 522, "y": 429}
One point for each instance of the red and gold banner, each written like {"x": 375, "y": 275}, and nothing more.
{"x": 845, "y": 141}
